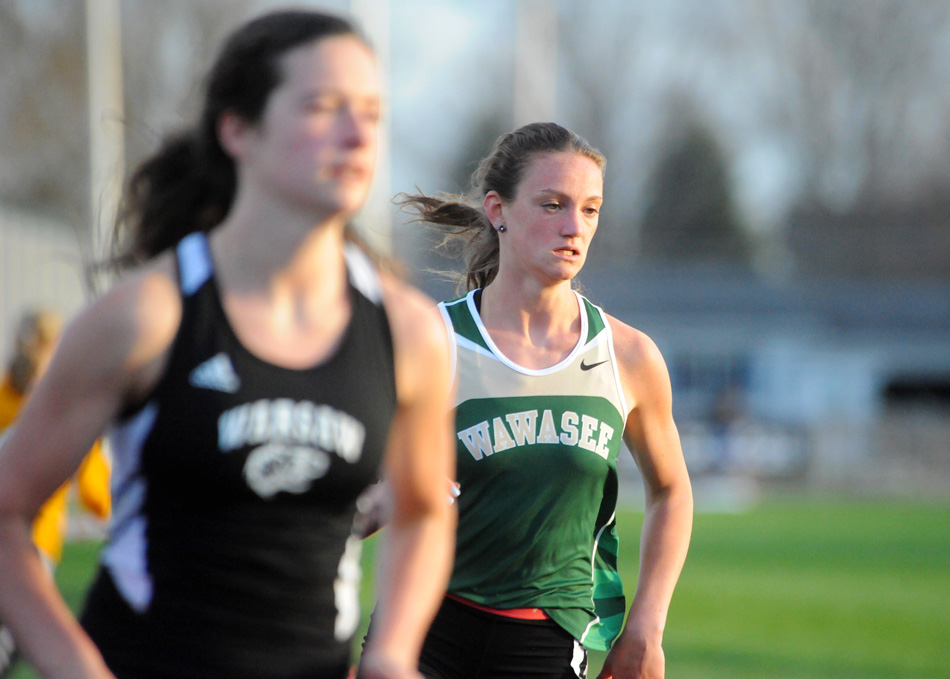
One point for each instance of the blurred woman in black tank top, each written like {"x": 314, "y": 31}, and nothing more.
{"x": 259, "y": 372}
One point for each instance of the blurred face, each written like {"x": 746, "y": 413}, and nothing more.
{"x": 315, "y": 145}
{"x": 552, "y": 219}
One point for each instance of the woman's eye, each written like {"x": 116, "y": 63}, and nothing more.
{"x": 551, "y": 206}
{"x": 591, "y": 211}
{"x": 371, "y": 115}
{"x": 321, "y": 106}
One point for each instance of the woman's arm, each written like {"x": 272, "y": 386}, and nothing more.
{"x": 651, "y": 435}
{"x": 419, "y": 541}
{"x": 112, "y": 352}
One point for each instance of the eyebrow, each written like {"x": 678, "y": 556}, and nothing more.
{"x": 561, "y": 194}
{"x": 342, "y": 92}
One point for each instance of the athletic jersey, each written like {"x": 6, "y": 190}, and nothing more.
{"x": 537, "y": 465}
{"x": 235, "y": 487}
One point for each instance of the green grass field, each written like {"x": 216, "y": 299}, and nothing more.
{"x": 789, "y": 590}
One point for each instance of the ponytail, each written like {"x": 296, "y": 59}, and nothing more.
{"x": 184, "y": 187}
{"x": 464, "y": 228}
{"x": 190, "y": 183}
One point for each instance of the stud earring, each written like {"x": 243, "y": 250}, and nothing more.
{"x": 502, "y": 228}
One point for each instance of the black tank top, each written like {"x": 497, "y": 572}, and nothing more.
{"x": 235, "y": 488}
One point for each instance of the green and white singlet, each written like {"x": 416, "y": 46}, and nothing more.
{"x": 537, "y": 463}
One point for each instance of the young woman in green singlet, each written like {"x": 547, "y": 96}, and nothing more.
{"x": 548, "y": 386}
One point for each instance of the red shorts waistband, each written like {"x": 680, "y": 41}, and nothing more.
{"x": 517, "y": 613}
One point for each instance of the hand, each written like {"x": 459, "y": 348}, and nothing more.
{"x": 634, "y": 658}
{"x": 455, "y": 489}
{"x": 374, "y": 666}
{"x": 375, "y": 506}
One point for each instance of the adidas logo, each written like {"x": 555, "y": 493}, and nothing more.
{"x": 216, "y": 373}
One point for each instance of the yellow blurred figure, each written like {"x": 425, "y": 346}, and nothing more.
{"x": 34, "y": 342}
{"x": 92, "y": 484}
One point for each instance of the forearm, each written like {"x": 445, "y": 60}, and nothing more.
{"x": 45, "y": 630}
{"x": 664, "y": 542}
{"x": 416, "y": 561}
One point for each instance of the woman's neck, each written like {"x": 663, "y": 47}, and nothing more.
{"x": 534, "y": 328}
{"x": 264, "y": 238}
{"x": 285, "y": 296}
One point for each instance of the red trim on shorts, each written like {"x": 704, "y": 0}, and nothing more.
{"x": 517, "y": 613}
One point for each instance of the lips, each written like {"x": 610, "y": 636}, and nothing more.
{"x": 348, "y": 172}
{"x": 351, "y": 168}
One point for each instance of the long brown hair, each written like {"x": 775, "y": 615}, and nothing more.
{"x": 189, "y": 184}
{"x": 460, "y": 218}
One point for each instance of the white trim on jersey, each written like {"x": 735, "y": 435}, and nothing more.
{"x": 451, "y": 339}
{"x": 593, "y": 565}
{"x": 567, "y": 360}
{"x": 579, "y": 660}
{"x": 624, "y": 406}
{"x": 124, "y": 556}
{"x": 362, "y": 273}
{"x": 465, "y": 343}
{"x": 195, "y": 263}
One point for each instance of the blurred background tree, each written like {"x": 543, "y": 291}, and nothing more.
{"x": 689, "y": 213}
{"x": 42, "y": 108}
{"x": 819, "y": 110}
{"x": 44, "y": 155}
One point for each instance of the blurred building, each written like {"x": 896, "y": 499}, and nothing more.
{"x": 827, "y": 380}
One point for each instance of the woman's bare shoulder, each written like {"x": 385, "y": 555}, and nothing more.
{"x": 640, "y": 362}
{"x": 420, "y": 341}
{"x": 412, "y": 313}
{"x": 131, "y": 326}
{"x": 146, "y": 302}
{"x": 632, "y": 345}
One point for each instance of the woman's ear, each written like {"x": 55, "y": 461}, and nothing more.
{"x": 494, "y": 208}
{"x": 232, "y": 134}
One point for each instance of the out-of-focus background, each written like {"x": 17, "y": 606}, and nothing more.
{"x": 777, "y": 219}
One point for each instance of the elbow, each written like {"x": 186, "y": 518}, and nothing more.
{"x": 676, "y": 494}
{"x": 17, "y": 513}
{"x": 435, "y": 509}
{"x": 11, "y": 510}
{"x": 14, "y": 530}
